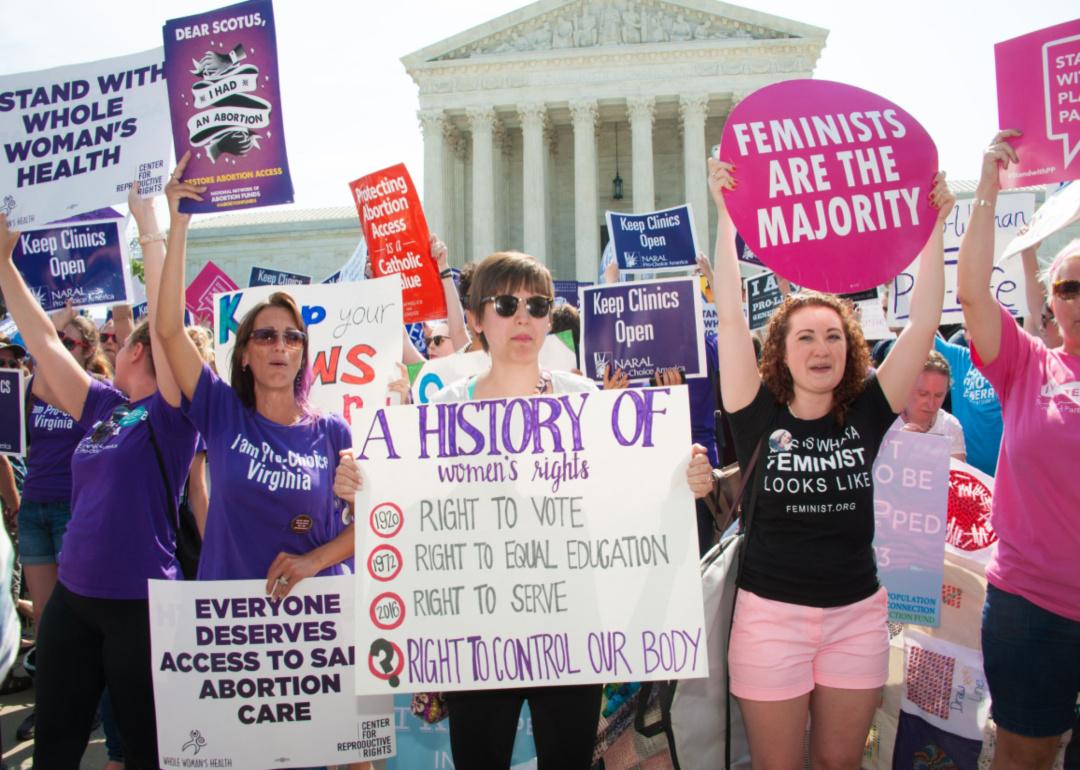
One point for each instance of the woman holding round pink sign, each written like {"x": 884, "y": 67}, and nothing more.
{"x": 809, "y": 635}
{"x": 1031, "y": 619}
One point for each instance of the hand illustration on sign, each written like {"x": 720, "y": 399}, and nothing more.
{"x": 228, "y": 126}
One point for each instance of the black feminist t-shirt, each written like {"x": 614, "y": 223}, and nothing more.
{"x": 811, "y": 537}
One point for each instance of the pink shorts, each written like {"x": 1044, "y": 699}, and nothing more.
{"x": 780, "y": 651}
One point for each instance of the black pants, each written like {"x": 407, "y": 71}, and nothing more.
{"x": 483, "y": 725}
{"x": 84, "y": 644}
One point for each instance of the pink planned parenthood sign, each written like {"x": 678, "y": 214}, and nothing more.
{"x": 1038, "y": 82}
{"x": 833, "y": 183}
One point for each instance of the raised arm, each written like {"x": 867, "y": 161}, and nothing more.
{"x": 739, "y": 377}
{"x": 1033, "y": 292}
{"x": 455, "y": 316}
{"x": 168, "y": 318}
{"x": 982, "y": 315}
{"x": 69, "y": 383}
{"x": 905, "y": 360}
{"x": 123, "y": 322}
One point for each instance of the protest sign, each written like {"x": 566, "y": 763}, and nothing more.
{"x": 354, "y": 268}
{"x": 834, "y": 183}
{"x": 871, "y": 315}
{"x": 499, "y": 545}
{"x": 85, "y": 262}
{"x": 763, "y": 296}
{"x": 642, "y": 326}
{"x": 396, "y": 238}
{"x": 75, "y": 137}
{"x": 566, "y": 292}
{"x": 354, "y": 338}
{"x": 657, "y": 241}
{"x": 12, "y": 412}
{"x": 437, "y": 373}
{"x": 244, "y": 682}
{"x": 911, "y": 485}
{"x": 265, "y": 276}
{"x": 225, "y": 100}
{"x": 945, "y": 686}
{"x": 199, "y": 296}
{"x": 1012, "y": 211}
{"x": 745, "y": 254}
{"x": 332, "y": 278}
{"x": 969, "y": 532}
{"x": 1038, "y": 89}
{"x": 1057, "y": 212}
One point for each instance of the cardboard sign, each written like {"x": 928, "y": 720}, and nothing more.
{"x": 85, "y": 262}
{"x": 12, "y": 412}
{"x": 642, "y": 326}
{"x": 396, "y": 237}
{"x": 265, "y": 276}
{"x": 658, "y": 241}
{"x": 225, "y": 99}
{"x": 75, "y": 137}
{"x": 199, "y": 296}
{"x": 499, "y": 545}
{"x": 354, "y": 338}
{"x": 1012, "y": 212}
{"x": 763, "y": 296}
{"x": 1057, "y": 212}
{"x": 1038, "y": 88}
{"x": 911, "y": 485}
{"x": 834, "y": 183}
{"x": 240, "y": 681}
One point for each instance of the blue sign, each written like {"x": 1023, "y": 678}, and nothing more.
{"x": 265, "y": 276}
{"x": 567, "y": 291}
{"x": 642, "y": 326}
{"x": 660, "y": 240}
{"x": 763, "y": 296}
{"x": 333, "y": 278}
{"x": 12, "y": 412}
{"x": 83, "y": 262}
{"x": 744, "y": 253}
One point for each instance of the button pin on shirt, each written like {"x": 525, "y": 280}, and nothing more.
{"x": 301, "y": 524}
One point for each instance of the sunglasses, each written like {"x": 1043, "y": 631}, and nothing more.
{"x": 506, "y": 305}
{"x": 10, "y": 363}
{"x": 437, "y": 340}
{"x": 71, "y": 343}
{"x": 294, "y": 338}
{"x": 107, "y": 337}
{"x": 1067, "y": 289}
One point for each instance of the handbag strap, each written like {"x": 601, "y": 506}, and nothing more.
{"x": 173, "y": 502}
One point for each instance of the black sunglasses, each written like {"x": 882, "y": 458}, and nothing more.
{"x": 108, "y": 337}
{"x": 71, "y": 344}
{"x": 1067, "y": 289}
{"x": 437, "y": 340}
{"x": 294, "y": 338}
{"x": 506, "y": 305}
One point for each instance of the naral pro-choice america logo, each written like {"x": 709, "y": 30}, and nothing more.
{"x": 234, "y": 114}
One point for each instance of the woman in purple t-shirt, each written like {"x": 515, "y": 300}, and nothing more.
{"x": 126, "y": 476}
{"x": 273, "y": 512}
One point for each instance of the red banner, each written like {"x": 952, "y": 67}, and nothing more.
{"x": 397, "y": 239}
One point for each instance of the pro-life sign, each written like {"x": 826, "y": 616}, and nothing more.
{"x": 498, "y": 543}
{"x": 243, "y": 682}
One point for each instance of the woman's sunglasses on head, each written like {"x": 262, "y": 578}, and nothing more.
{"x": 506, "y": 305}
{"x": 294, "y": 338}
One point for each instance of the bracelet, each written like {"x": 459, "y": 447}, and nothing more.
{"x": 447, "y": 273}
{"x": 145, "y": 239}
{"x": 976, "y": 202}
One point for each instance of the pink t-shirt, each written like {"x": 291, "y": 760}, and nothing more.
{"x": 1036, "y": 507}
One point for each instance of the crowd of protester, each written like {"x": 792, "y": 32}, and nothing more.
{"x": 129, "y": 477}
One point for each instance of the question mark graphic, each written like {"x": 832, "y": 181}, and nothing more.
{"x": 384, "y": 650}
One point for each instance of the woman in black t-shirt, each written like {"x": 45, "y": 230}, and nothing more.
{"x": 809, "y": 634}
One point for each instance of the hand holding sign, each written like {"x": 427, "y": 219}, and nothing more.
{"x": 177, "y": 190}
{"x": 997, "y": 157}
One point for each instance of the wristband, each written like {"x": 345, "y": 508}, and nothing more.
{"x": 447, "y": 273}
{"x": 145, "y": 239}
{"x": 976, "y": 202}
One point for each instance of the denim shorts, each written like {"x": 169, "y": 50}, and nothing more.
{"x": 41, "y": 530}
{"x": 1031, "y": 657}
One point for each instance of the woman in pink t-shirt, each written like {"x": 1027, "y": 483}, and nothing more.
{"x": 1031, "y": 620}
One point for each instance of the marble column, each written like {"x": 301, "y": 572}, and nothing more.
{"x": 586, "y": 228}
{"x": 482, "y": 125}
{"x": 534, "y": 179}
{"x": 641, "y": 113}
{"x": 433, "y": 124}
{"x": 692, "y": 111}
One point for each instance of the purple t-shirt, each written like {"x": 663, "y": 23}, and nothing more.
{"x": 272, "y": 484}
{"x": 53, "y": 436}
{"x": 122, "y": 530}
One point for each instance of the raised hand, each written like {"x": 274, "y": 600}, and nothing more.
{"x": 176, "y": 190}
{"x": 941, "y": 197}
{"x": 721, "y": 177}
{"x": 998, "y": 155}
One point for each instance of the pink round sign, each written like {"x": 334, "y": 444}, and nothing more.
{"x": 833, "y": 183}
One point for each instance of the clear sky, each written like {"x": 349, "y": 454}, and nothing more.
{"x": 350, "y": 108}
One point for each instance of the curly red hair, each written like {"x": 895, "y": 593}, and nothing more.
{"x": 774, "y": 369}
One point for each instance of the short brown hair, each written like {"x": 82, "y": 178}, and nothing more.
{"x": 774, "y": 369}
{"x": 506, "y": 272}
{"x": 243, "y": 382}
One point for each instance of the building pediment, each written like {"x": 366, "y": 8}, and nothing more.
{"x": 580, "y": 26}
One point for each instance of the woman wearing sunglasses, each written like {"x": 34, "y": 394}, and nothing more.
{"x": 1031, "y": 619}
{"x": 126, "y": 473}
{"x": 510, "y": 299}
{"x": 273, "y": 512}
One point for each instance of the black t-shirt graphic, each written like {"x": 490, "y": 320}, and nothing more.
{"x": 811, "y": 541}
